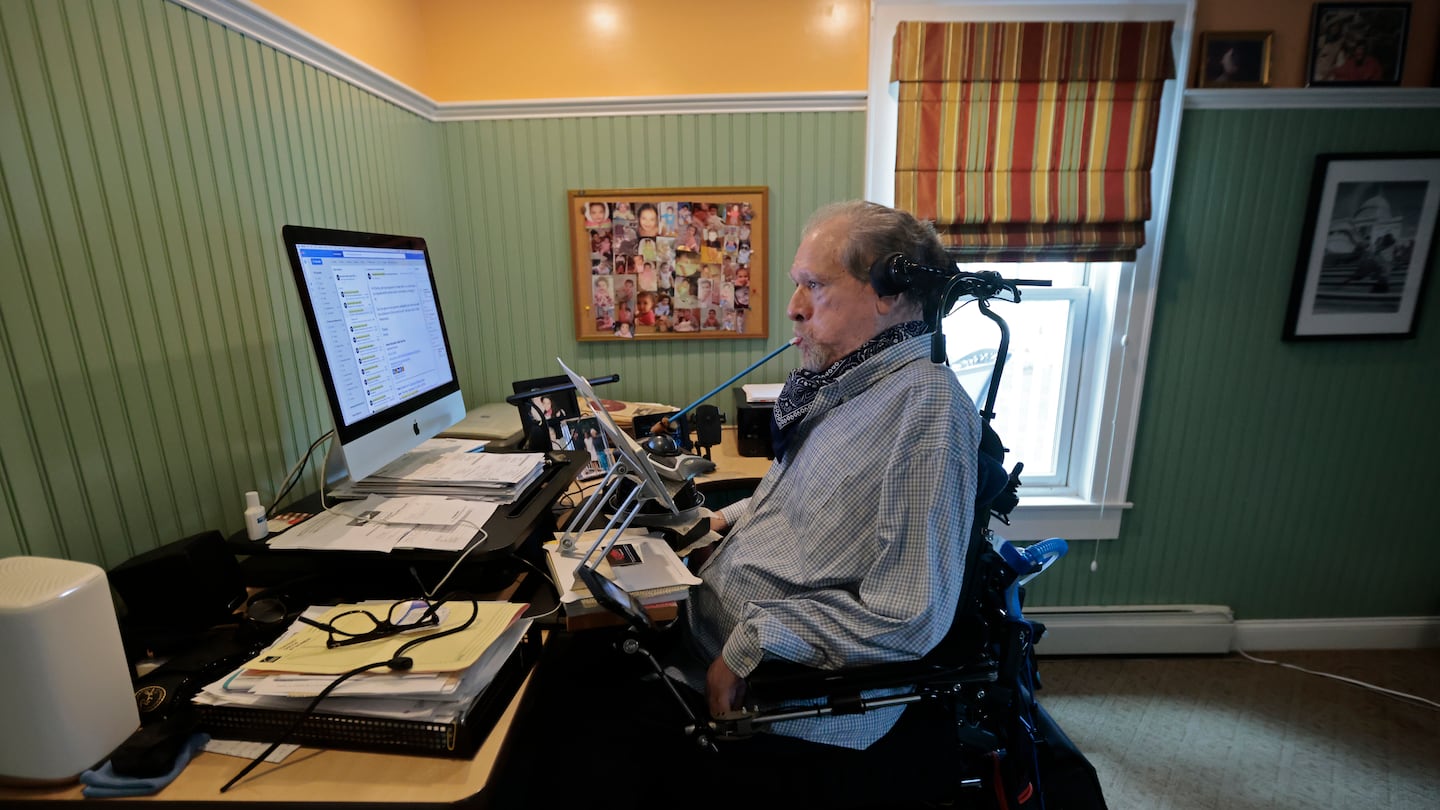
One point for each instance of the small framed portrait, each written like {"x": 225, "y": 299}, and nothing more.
{"x": 1369, "y": 230}
{"x": 1357, "y": 44}
{"x": 545, "y": 413}
{"x": 584, "y": 433}
{"x": 1234, "y": 59}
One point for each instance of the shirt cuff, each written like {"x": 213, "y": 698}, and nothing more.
{"x": 742, "y": 652}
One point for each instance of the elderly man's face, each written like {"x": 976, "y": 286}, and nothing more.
{"x": 834, "y": 312}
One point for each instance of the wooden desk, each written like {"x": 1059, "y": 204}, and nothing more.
{"x": 332, "y": 777}
{"x": 730, "y": 464}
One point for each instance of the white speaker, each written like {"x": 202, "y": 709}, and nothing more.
{"x": 68, "y": 701}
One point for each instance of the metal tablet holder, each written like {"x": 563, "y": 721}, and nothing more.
{"x": 610, "y": 489}
{"x": 631, "y": 465}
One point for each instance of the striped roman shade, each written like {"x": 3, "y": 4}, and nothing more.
{"x": 1030, "y": 141}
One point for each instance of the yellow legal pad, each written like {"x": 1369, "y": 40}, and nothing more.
{"x": 302, "y": 649}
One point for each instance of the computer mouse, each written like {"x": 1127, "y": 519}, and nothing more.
{"x": 682, "y": 467}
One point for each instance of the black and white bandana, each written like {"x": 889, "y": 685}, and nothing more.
{"x": 802, "y": 386}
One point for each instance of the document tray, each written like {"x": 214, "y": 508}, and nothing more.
{"x": 384, "y": 735}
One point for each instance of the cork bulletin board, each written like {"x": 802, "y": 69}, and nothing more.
{"x": 669, "y": 263}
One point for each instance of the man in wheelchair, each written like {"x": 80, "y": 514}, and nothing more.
{"x": 852, "y": 549}
{"x": 851, "y": 553}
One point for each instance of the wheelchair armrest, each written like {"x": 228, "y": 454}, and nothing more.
{"x": 776, "y": 682}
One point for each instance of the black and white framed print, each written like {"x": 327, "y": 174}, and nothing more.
{"x": 1369, "y": 228}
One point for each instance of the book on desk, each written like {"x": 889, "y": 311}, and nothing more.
{"x": 443, "y": 705}
{"x": 640, "y": 562}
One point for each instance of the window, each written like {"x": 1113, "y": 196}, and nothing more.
{"x": 1069, "y": 398}
{"x": 1036, "y": 406}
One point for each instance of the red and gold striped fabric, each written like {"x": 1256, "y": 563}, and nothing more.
{"x": 1030, "y": 141}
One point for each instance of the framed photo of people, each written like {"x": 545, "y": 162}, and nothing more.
{"x": 1357, "y": 44}
{"x": 1369, "y": 233}
{"x": 669, "y": 263}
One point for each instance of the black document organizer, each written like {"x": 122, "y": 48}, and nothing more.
{"x": 456, "y": 740}
{"x": 507, "y": 530}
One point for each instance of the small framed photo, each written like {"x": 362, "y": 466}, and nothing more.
{"x": 1357, "y": 44}
{"x": 1234, "y": 59}
{"x": 584, "y": 433}
{"x": 1367, "y": 240}
{"x": 549, "y": 409}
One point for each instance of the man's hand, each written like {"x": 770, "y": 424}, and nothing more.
{"x": 724, "y": 690}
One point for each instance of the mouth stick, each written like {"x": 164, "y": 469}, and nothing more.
{"x": 664, "y": 424}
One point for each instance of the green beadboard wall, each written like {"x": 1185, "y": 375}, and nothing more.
{"x": 509, "y": 181}
{"x": 156, "y": 364}
{"x": 1283, "y": 479}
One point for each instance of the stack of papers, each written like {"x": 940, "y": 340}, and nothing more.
{"x": 385, "y": 524}
{"x": 762, "y": 392}
{"x": 456, "y": 468}
{"x": 449, "y": 675}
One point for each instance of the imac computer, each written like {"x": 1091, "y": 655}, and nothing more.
{"x": 384, "y": 356}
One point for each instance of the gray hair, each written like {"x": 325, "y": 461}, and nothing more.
{"x": 875, "y": 231}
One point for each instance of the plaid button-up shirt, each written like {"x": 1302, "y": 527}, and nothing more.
{"x": 852, "y": 549}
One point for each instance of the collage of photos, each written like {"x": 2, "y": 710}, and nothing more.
{"x": 658, "y": 267}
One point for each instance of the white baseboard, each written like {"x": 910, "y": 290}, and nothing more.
{"x": 1212, "y": 630}
{"x": 1369, "y": 633}
{"x": 1134, "y": 630}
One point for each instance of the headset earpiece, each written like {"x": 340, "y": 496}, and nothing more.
{"x": 888, "y": 275}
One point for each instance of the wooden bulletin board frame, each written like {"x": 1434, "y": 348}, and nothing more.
{"x": 677, "y": 283}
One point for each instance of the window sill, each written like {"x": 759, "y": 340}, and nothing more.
{"x": 1040, "y": 516}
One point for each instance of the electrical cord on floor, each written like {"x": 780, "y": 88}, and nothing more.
{"x": 1405, "y": 696}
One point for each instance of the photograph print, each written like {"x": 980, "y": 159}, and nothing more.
{"x": 584, "y": 434}
{"x": 1357, "y": 44}
{"x": 1235, "y": 59}
{"x": 1363, "y": 256}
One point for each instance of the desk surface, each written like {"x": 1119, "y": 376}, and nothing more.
{"x": 338, "y": 777}
{"x": 730, "y": 464}
{"x": 314, "y": 775}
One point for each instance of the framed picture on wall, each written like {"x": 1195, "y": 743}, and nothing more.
{"x": 1234, "y": 59}
{"x": 669, "y": 263}
{"x": 1369, "y": 229}
{"x": 1357, "y": 44}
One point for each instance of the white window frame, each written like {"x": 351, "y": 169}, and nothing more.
{"x": 1121, "y": 314}
{"x": 1072, "y": 380}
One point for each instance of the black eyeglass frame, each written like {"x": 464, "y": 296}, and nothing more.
{"x": 383, "y": 628}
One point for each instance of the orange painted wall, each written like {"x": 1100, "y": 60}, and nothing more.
{"x": 383, "y": 34}
{"x": 499, "y": 50}
{"x": 590, "y": 48}
{"x": 1290, "y": 20}
{"x": 502, "y": 50}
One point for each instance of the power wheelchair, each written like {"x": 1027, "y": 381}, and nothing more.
{"x": 981, "y": 679}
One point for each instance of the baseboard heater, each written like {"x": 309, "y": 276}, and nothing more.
{"x": 1134, "y": 630}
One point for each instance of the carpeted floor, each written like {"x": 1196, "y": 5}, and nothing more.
{"x": 1184, "y": 733}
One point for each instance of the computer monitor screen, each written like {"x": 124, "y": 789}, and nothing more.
{"x": 374, "y": 316}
